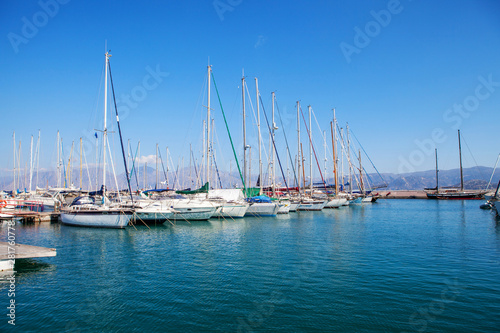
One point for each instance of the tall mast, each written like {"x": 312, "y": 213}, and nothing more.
{"x": 260, "y": 138}
{"x": 349, "y": 158}
{"x": 460, "y": 156}
{"x": 245, "y": 173}
{"x": 334, "y": 142}
{"x": 31, "y": 162}
{"x": 58, "y": 161}
{"x": 299, "y": 155}
{"x": 14, "y": 169}
{"x": 342, "y": 157}
{"x": 361, "y": 185}
{"x": 37, "y": 158}
{"x": 167, "y": 167}
{"x": 437, "y": 171}
{"x": 273, "y": 172}
{"x": 310, "y": 152}
{"x": 156, "y": 180}
{"x": 105, "y": 131}
{"x": 80, "y": 163}
{"x": 207, "y": 157}
{"x": 324, "y": 146}
{"x": 96, "y": 162}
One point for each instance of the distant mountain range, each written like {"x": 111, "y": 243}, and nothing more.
{"x": 474, "y": 178}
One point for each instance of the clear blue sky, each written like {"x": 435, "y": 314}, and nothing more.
{"x": 396, "y": 85}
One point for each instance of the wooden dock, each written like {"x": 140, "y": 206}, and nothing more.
{"x": 32, "y": 217}
{"x": 20, "y": 251}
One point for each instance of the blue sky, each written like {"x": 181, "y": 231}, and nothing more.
{"x": 408, "y": 77}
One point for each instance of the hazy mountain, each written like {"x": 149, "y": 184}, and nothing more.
{"x": 474, "y": 178}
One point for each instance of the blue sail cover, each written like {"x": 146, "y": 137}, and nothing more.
{"x": 260, "y": 198}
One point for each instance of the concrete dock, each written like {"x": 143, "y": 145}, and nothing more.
{"x": 8, "y": 253}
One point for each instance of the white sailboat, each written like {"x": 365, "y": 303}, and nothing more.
{"x": 85, "y": 211}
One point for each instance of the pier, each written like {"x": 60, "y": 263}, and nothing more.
{"x": 9, "y": 253}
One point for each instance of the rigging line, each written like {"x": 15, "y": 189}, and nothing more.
{"x": 274, "y": 144}
{"x": 229, "y": 134}
{"x": 255, "y": 118}
{"x": 113, "y": 168}
{"x": 121, "y": 139}
{"x": 162, "y": 166}
{"x": 216, "y": 168}
{"x": 194, "y": 164}
{"x": 494, "y": 168}
{"x": 314, "y": 151}
{"x": 133, "y": 165}
{"x": 369, "y": 158}
{"x": 286, "y": 141}
{"x": 470, "y": 152}
{"x": 86, "y": 167}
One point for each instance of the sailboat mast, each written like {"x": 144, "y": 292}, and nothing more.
{"x": 58, "y": 161}
{"x": 335, "y": 162}
{"x": 245, "y": 173}
{"x": 310, "y": 151}
{"x": 299, "y": 158}
{"x": 437, "y": 171}
{"x": 14, "y": 169}
{"x": 361, "y": 185}
{"x": 156, "y": 180}
{"x": 31, "y": 162}
{"x": 460, "y": 156}
{"x": 273, "y": 172}
{"x": 207, "y": 157}
{"x": 349, "y": 158}
{"x": 105, "y": 131}
{"x": 81, "y": 163}
{"x": 37, "y": 158}
{"x": 260, "y": 138}
{"x": 167, "y": 167}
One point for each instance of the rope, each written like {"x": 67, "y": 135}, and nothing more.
{"x": 229, "y": 134}
{"x": 120, "y": 132}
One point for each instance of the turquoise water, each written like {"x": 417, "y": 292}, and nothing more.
{"x": 392, "y": 266}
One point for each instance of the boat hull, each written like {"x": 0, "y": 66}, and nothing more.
{"x": 312, "y": 205}
{"x": 228, "y": 210}
{"x": 335, "y": 203}
{"x": 456, "y": 196}
{"x": 262, "y": 209}
{"x": 117, "y": 219}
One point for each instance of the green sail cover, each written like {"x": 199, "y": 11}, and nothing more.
{"x": 203, "y": 189}
{"x": 252, "y": 192}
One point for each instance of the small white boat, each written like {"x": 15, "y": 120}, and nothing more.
{"x": 312, "y": 205}
{"x": 189, "y": 209}
{"x": 259, "y": 209}
{"x": 284, "y": 207}
{"x": 230, "y": 201}
{"x": 335, "y": 202}
{"x": 84, "y": 212}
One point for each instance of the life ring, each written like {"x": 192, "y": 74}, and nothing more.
{"x": 3, "y": 203}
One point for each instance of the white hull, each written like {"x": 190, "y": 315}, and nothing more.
{"x": 262, "y": 209}
{"x": 312, "y": 205}
{"x": 99, "y": 219}
{"x": 336, "y": 203}
{"x": 294, "y": 206}
{"x": 193, "y": 213}
{"x": 231, "y": 210}
{"x": 284, "y": 207}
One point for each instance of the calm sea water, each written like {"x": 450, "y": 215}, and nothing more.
{"x": 392, "y": 266}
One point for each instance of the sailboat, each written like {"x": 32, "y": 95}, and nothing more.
{"x": 454, "y": 193}
{"x": 336, "y": 201}
{"x": 260, "y": 205}
{"x": 86, "y": 211}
